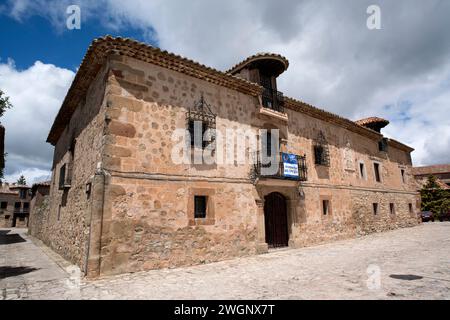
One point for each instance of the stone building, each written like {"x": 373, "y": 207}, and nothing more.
{"x": 38, "y": 204}
{"x": 441, "y": 172}
{"x": 14, "y": 205}
{"x": 120, "y": 203}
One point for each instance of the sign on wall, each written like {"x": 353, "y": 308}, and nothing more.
{"x": 290, "y": 165}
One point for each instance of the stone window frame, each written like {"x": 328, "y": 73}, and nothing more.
{"x": 330, "y": 206}
{"x": 380, "y": 171}
{"x": 364, "y": 175}
{"x": 210, "y": 207}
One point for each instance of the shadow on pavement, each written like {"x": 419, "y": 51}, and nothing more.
{"x": 7, "y": 271}
{"x": 6, "y": 238}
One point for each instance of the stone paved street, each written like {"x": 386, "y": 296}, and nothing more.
{"x": 413, "y": 263}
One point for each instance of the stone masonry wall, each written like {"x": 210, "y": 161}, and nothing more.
{"x": 146, "y": 221}
{"x": 66, "y": 227}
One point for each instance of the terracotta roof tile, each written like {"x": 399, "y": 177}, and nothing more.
{"x": 259, "y": 56}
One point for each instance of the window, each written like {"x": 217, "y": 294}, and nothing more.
{"x": 391, "y": 208}
{"x": 326, "y": 207}
{"x": 197, "y": 141}
{"x": 62, "y": 176}
{"x": 321, "y": 152}
{"x": 410, "y": 208}
{"x": 362, "y": 170}
{"x": 267, "y": 144}
{"x": 4, "y": 205}
{"x": 383, "y": 145}
{"x": 376, "y": 168}
{"x": 59, "y": 212}
{"x": 321, "y": 156}
{"x": 26, "y": 205}
{"x": 375, "y": 208}
{"x": 402, "y": 171}
{"x": 17, "y": 205}
{"x": 200, "y": 207}
{"x": 22, "y": 193}
{"x": 200, "y": 119}
{"x": 7, "y": 217}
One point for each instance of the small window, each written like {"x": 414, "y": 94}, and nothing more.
{"x": 376, "y": 168}
{"x": 267, "y": 144}
{"x": 321, "y": 151}
{"x": 22, "y": 193}
{"x": 62, "y": 176}
{"x": 375, "y": 208}
{"x": 326, "y": 207}
{"x": 402, "y": 171}
{"x": 391, "y": 208}
{"x": 321, "y": 156}
{"x": 17, "y": 205}
{"x": 200, "y": 207}
{"x": 59, "y": 212}
{"x": 7, "y": 217}
{"x": 4, "y": 205}
{"x": 362, "y": 170}
{"x": 26, "y": 205}
{"x": 383, "y": 145}
{"x": 410, "y": 208}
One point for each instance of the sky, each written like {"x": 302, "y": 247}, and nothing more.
{"x": 400, "y": 72}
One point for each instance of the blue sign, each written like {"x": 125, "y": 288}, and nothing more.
{"x": 290, "y": 165}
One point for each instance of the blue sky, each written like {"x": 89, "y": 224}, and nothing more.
{"x": 400, "y": 72}
{"x": 36, "y": 38}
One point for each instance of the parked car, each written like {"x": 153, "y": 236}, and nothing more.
{"x": 427, "y": 216}
{"x": 445, "y": 216}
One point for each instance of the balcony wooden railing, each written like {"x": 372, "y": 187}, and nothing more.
{"x": 280, "y": 173}
{"x": 273, "y": 99}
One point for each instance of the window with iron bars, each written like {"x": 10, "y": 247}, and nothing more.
{"x": 201, "y": 114}
{"x": 321, "y": 152}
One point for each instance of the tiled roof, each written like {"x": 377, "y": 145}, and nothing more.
{"x": 259, "y": 56}
{"x": 429, "y": 170}
{"x": 101, "y": 48}
{"x": 42, "y": 183}
{"x": 372, "y": 120}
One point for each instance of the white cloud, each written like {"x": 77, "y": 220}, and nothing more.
{"x": 36, "y": 94}
{"x": 336, "y": 63}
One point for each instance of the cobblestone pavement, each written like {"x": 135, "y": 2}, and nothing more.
{"x": 411, "y": 263}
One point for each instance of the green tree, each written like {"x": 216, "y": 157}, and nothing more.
{"x": 4, "y": 105}
{"x": 434, "y": 198}
{"x": 21, "y": 181}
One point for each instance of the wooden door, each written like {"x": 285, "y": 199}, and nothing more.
{"x": 276, "y": 224}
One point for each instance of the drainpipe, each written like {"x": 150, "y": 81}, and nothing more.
{"x": 93, "y": 256}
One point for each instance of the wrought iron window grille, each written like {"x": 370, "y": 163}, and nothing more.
{"x": 321, "y": 151}
{"x": 201, "y": 112}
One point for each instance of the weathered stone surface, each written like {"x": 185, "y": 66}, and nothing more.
{"x": 122, "y": 129}
{"x": 148, "y": 213}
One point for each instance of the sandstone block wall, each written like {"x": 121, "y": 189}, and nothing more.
{"x": 142, "y": 207}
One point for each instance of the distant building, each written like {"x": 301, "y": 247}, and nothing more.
{"x": 14, "y": 205}
{"x": 440, "y": 171}
{"x": 39, "y": 193}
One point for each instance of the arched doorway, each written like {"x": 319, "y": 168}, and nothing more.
{"x": 276, "y": 222}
